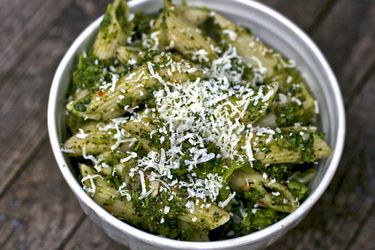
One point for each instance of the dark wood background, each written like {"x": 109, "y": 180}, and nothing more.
{"x": 37, "y": 209}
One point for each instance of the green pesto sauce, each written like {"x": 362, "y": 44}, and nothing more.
{"x": 212, "y": 29}
{"x": 141, "y": 25}
{"x": 279, "y": 172}
{"x": 292, "y": 113}
{"x": 81, "y": 106}
{"x": 298, "y": 141}
{"x": 247, "y": 213}
{"x": 90, "y": 71}
{"x": 151, "y": 213}
{"x": 255, "y": 219}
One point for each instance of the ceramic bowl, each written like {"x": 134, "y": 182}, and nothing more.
{"x": 274, "y": 29}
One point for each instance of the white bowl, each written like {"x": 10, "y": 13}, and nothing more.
{"x": 275, "y": 30}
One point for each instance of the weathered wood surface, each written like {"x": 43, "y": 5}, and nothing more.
{"x": 37, "y": 209}
{"x": 36, "y": 45}
{"x": 90, "y": 236}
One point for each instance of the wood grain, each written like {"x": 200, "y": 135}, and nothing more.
{"x": 83, "y": 239}
{"x": 347, "y": 39}
{"x": 304, "y": 13}
{"x": 33, "y": 19}
{"x": 24, "y": 109}
{"x": 39, "y": 209}
{"x": 365, "y": 240}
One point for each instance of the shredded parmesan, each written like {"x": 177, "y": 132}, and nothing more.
{"x": 143, "y": 184}
{"x": 92, "y": 188}
{"x": 124, "y": 192}
{"x": 200, "y": 55}
{"x": 231, "y": 34}
{"x": 316, "y": 107}
{"x": 81, "y": 134}
{"x": 225, "y": 203}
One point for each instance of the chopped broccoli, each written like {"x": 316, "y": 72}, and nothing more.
{"x": 262, "y": 218}
{"x": 141, "y": 25}
{"x": 280, "y": 172}
{"x": 92, "y": 72}
{"x": 299, "y": 190}
{"x": 87, "y": 73}
{"x": 253, "y": 195}
{"x": 211, "y": 29}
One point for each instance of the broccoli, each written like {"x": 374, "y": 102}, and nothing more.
{"x": 141, "y": 25}
{"x": 253, "y": 195}
{"x": 289, "y": 114}
{"x": 89, "y": 72}
{"x": 262, "y": 218}
{"x": 298, "y": 189}
{"x": 211, "y": 28}
{"x": 280, "y": 172}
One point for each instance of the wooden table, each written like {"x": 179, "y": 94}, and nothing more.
{"x": 37, "y": 209}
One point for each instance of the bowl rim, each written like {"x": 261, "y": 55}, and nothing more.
{"x": 177, "y": 244}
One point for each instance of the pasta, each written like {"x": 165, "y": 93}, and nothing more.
{"x": 188, "y": 126}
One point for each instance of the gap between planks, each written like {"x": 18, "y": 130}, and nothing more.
{"x": 56, "y": 26}
{"x": 23, "y": 164}
{"x": 358, "y": 88}
{"x": 328, "y": 6}
{"x": 41, "y": 23}
{"x": 356, "y": 235}
{"x": 66, "y": 239}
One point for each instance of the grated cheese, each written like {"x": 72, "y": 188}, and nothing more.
{"x": 124, "y": 192}
{"x": 225, "y": 203}
{"x": 143, "y": 184}
{"x": 81, "y": 134}
{"x": 92, "y": 189}
{"x": 166, "y": 209}
{"x": 132, "y": 155}
{"x": 231, "y": 34}
{"x": 200, "y": 56}
{"x": 316, "y": 107}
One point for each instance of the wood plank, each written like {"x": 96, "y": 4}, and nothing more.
{"x": 365, "y": 240}
{"x": 39, "y": 209}
{"x": 26, "y": 104}
{"x": 25, "y": 92}
{"x": 341, "y": 211}
{"x": 83, "y": 239}
{"x": 348, "y": 74}
{"x": 346, "y": 37}
{"x": 303, "y": 13}
{"x": 24, "y": 22}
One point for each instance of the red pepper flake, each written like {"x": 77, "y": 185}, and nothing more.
{"x": 101, "y": 93}
{"x": 246, "y": 187}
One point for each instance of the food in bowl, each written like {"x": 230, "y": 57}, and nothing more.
{"x": 186, "y": 125}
